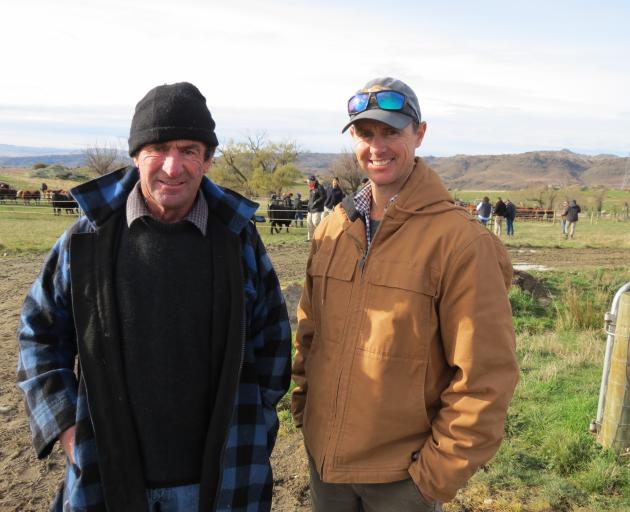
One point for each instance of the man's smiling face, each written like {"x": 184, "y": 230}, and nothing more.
{"x": 170, "y": 175}
{"x": 386, "y": 154}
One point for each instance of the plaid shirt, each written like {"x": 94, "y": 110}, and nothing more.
{"x": 55, "y": 399}
{"x": 363, "y": 204}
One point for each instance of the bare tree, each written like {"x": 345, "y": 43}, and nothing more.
{"x": 600, "y": 196}
{"x": 544, "y": 197}
{"x": 103, "y": 159}
{"x": 346, "y": 168}
{"x": 551, "y": 197}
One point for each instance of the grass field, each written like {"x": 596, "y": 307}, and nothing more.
{"x": 34, "y": 228}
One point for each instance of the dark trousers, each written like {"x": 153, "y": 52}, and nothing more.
{"x": 402, "y": 496}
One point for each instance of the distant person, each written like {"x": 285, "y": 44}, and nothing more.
{"x": 334, "y": 196}
{"x": 155, "y": 343}
{"x": 510, "y": 215}
{"x": 316, "y": 200}
{"x": 299, "y": 213}
{"x": 484, "y": 210}
{"x": 287, "y": 199}
{"x": 499, "y": 215}
{"x": 563, "y": 218}
{"x": 571, "y": 216}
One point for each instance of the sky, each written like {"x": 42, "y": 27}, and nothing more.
{"x": 491, "y": 76}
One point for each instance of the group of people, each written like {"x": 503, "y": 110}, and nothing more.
{"x": 501, "y": 210}
{"x": 155, "y": 343}
{"x": 321, "y": 202}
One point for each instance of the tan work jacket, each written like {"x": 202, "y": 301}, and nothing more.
{"x": 405, "y": 360}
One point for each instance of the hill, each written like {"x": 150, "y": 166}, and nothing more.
{"x": 532, "y": 169}
{"x": 464, "y": 172}
{"x": 511, "y": 171}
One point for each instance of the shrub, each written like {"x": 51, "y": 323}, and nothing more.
{"x": 528, "y": 314}
{"x": 39, "y": 165}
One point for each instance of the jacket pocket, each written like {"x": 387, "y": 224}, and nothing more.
{"x": 400, "y": 310}
{"x": 332, "y": 290}
{"x": 384, "y": 417}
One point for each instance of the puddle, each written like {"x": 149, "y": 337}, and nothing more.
{"x": 530, "y": 266}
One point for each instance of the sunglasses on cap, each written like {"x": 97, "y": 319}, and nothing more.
{"x": 385, "y": 100}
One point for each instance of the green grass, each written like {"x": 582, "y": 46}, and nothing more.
{"x": 30, "y": 230}
{"x": 580, "y": 298}
{"x": 597, "y": 234}
{"x": 548, "y": 460}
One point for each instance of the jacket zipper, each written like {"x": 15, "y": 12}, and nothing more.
{"x": 362, "y": 263}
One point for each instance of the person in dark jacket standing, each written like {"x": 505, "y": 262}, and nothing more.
{"x": 499, "y": 215}
{"x": 316, "y": 200}
{"x": 165, "y": 294}
{"x": 570, "y": 214}
{"x": 334, "y": 196}
{"x": 484, "y": 210}
{"x": 510, "y": 215}
{"x": 298, "y": 207}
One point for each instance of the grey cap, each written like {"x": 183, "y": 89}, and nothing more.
{"x": 399, "y": 118}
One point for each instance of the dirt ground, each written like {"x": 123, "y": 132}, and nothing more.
{"x": 27, "y": 484}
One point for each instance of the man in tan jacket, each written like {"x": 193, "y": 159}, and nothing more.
{"x": 405, "y": 360}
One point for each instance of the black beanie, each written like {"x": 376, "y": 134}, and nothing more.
{"x": 170, "y": 112}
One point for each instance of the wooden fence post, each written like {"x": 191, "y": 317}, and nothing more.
{"x": 615, "y": 429}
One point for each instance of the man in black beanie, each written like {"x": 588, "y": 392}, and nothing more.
{"x": 165, "y": 293}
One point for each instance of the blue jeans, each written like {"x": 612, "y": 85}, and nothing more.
{"x": 174, "y": 499}
{"x": 510, "y": 226}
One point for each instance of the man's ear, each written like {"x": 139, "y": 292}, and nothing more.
{"x": 422, "y": 129}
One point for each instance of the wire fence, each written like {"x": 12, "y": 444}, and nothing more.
{"x": 281, "y": 214}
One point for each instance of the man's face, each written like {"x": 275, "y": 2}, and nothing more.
{"x": 170, "y": 175}
{"x": 386, "y": 154}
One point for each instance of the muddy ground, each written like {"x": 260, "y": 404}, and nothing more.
{"x": 27, "y": 484}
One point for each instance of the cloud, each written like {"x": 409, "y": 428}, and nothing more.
{"x": 491, "y": 75}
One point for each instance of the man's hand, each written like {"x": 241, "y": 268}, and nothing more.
{"x": 66, "y": 438}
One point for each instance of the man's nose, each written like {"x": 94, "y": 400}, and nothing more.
{"x": 172, "y": 164}
{"x": 378, "y": 144}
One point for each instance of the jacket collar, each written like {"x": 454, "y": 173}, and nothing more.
{"x": 102, "y": 197}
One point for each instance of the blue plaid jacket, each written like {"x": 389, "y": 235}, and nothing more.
{"x": 55, "y": 394}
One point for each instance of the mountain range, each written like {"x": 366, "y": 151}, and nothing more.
{"x": 477, "y": 172}
{"x": 512, "y": 171}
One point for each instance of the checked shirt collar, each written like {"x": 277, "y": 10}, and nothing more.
{"x": 137, "y": 207}
{"x": 363, "y": 205}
